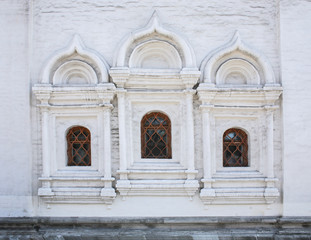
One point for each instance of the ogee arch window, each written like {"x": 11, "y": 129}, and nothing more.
{"x": 156, "y": 136}
{"x": 79, "y": 146}
{"x": 235, "y": 148}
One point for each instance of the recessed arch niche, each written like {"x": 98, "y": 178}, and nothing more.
{"x": 236, "y": 63}
{"x": 237, "y": 72}
{"x": 75, "y": 64}
{"x": 75, "y": 72}
{"x": 156, "y": 58}
{"x": 155, "y": 54}
{"x": 143, "y": 42}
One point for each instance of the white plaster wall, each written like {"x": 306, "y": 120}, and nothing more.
{"x": 15, "y": 140}
{"x": 296, "y": 78}
{"x": 102, "y": 25}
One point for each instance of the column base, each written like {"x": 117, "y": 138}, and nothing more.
{"x": 207, "y": 195}
{"x": 108, "y": 195}
{"x": 42, "y": 192}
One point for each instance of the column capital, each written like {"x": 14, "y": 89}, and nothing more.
{"x": 121, "y": 91}
{"x": 206, "y": 107}
{"x": 189, "y": 92}
{"x": 45, "y": 108}
{"x": 105, "y": 97}
{"x": 190, "y": 77}
{"x": 44, "y": 100}
{"x": 107, "y": 106}
{"x": 119, "y": 75}
{"x": 207, "y": 96}
{"x": 271, "y": 108}
{"x": 42, "y": 93}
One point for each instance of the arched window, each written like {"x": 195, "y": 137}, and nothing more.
{"x": 79, "y": 146}
{"x": 235, "y": 148}
{"x": 156, "y": 136}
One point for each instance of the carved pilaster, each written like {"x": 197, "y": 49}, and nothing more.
{"x": 271, "y": 192}
{"x": 107, "y": 193}
{"x": 123, "y": 185}
{"x": 43, "y": 94}
{"x": 207, "y": 194}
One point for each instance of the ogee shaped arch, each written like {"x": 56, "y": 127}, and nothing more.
{"x": 233, "y": 50}
{"x": 136, "y": 38}
{"x": 89, "y": 56}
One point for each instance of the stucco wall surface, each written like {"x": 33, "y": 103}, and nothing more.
{"x": 296, "y": 71}
{"x": 15, "y": 141}
{"x": 32, "y": 32}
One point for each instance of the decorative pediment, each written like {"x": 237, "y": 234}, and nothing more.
{"x": 75, "y": 72}
{"x": 75, "y": 65}
{"x": 75, "y": 75}
{"x": 153, "y": 36}
{"x": 154, "y": 57}
{"x": 237, "y": 64}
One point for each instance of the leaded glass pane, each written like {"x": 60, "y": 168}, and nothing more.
{"x": 155, "y": 136}
{"x": 235, "y": 148}
{"x": 78, "y": 147}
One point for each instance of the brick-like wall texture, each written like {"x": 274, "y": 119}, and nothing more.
{"x": 31, "y": 32}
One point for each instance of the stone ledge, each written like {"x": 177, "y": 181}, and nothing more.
{"x": 192, "y": 228}
{"x": 156, "y": 220}
{"x": 159, "y": 236}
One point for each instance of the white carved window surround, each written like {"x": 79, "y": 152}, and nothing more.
{"x": 247, "y": 120}
{"x": 238, "y": 90}
{"x": 155, "y": 71}
{"x": 60, "y": 124}
{"x": 174, "y": 109}
{"x": 75, "y": 91}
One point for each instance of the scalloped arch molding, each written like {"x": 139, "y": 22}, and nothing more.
{"x": 233, "y": 63}
{"x": 156, "y": 55}
{"x": 61, "y": 65}
{"x": 237, "y": 72}
{"x": 75, "y": 72}
{"x": 172, "y": 39}
{"x": 238, "y": 58}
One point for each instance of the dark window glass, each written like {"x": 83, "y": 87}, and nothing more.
{"x": 156, "y": 136}
{"x": 79, "y": 147}
{"x": 235, "y": 148}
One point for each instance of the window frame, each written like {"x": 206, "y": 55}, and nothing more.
{"x": 77, "y": 141}
{"x": 243, "y": 142}
{"x": 168, "y": 131}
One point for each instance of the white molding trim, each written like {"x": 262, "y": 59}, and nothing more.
{"x": 238, "y": 97}
{"x": 75, "y": 72}
{"x": 142, "y": 44}
{"x": 140, "y": 90}
{"x": 63, "y": 106}
{"x": 217, "y": 57}
{"x": 252, "y": 107}
{"x": 155, "y": 49}
{"x": 154, "y": 26}
{"x": 75, "y": 45}
{"x": 149, "y": 177}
